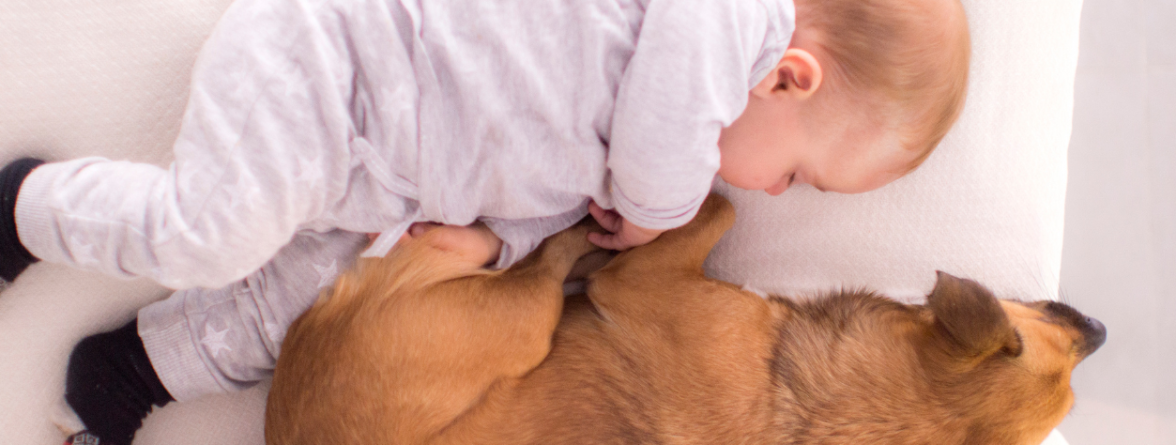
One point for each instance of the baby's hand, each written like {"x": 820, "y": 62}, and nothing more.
{"x": 625, "y": 235}
{"x": 475, "y": 242}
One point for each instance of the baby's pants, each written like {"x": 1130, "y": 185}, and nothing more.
{"x": 204, "y": 341}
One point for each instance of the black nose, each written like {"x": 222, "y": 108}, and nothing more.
{"x": 1094, "y": 334}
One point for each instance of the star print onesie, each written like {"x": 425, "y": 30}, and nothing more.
{"x": 312, "y": 122}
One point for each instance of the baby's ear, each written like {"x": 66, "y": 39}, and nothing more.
{"x": 969, "y": 320}
{"x": 798, "y": 74}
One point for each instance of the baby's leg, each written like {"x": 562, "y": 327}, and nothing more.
{"x": 201, "y": 341}
{"x": 266, "y": 145}
{"x": 208, "y": 341}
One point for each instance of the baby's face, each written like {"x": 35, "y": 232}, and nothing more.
{"x": 771, "y": 148}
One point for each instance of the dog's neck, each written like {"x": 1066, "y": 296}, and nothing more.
{"x": 823, "y": 394}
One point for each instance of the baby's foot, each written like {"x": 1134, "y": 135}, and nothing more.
{"x": 111, "y": 386}
{"x": 475, "y": 242}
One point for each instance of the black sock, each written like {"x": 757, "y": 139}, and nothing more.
{"x": 111, "y": 385}
{"x": 14, "y": 258}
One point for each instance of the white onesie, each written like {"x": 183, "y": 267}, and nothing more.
{"x": 311, "y": 116}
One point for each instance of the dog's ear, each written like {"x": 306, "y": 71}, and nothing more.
{"x": 970, "y": 320}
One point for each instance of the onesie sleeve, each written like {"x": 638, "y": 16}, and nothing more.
{"x": 263, "y": 148}
{"x": 689, "y": 77}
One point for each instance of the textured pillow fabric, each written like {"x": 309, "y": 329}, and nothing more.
{"x": 107, "y": 77}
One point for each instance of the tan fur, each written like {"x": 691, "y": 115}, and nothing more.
{"x": 418, "y": 348}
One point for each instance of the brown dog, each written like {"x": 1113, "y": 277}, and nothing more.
{"x": 420, "y": 348}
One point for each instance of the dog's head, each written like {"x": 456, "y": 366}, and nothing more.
{"x": 965, "y": 368}
{"x": 1006, "y": 364}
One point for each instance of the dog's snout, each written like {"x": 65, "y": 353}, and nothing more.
{"x": 1094, "y": 333}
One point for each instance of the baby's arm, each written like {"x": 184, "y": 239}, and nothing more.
{"x": 688, "y": 78}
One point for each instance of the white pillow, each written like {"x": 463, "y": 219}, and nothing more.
{"x": 110, "y": 77}
{"x": 987, "y": 205}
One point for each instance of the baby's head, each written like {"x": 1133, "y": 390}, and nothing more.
{"x": 865, "y": 91}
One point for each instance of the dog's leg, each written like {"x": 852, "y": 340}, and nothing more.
{"x": 519, "y": 308}
{"x": 409, "y": 343}
{"x": 485, "y": 331}
{"x": 675, "y": 328}
{"x": 686, "y": 247}
{"x": 678, "y": 253}
{"x": 663, "y": 281}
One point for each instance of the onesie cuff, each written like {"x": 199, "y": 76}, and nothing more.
{"x": 173, "y": 351}
{"x": 34, "y": 219}
{"x": 657, "y": 219}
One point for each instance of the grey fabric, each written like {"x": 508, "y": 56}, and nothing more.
{"x": 205, "y": 341}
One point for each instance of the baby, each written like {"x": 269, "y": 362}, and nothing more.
{"x": 314, "y": 122}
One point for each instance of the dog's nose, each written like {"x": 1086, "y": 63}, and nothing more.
{"x": 1094, "y": 333}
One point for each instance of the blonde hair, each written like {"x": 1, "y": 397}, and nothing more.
{"x": 901, "y": 50}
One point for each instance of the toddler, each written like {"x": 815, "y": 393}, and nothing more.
{"x": 314, "y": 122}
